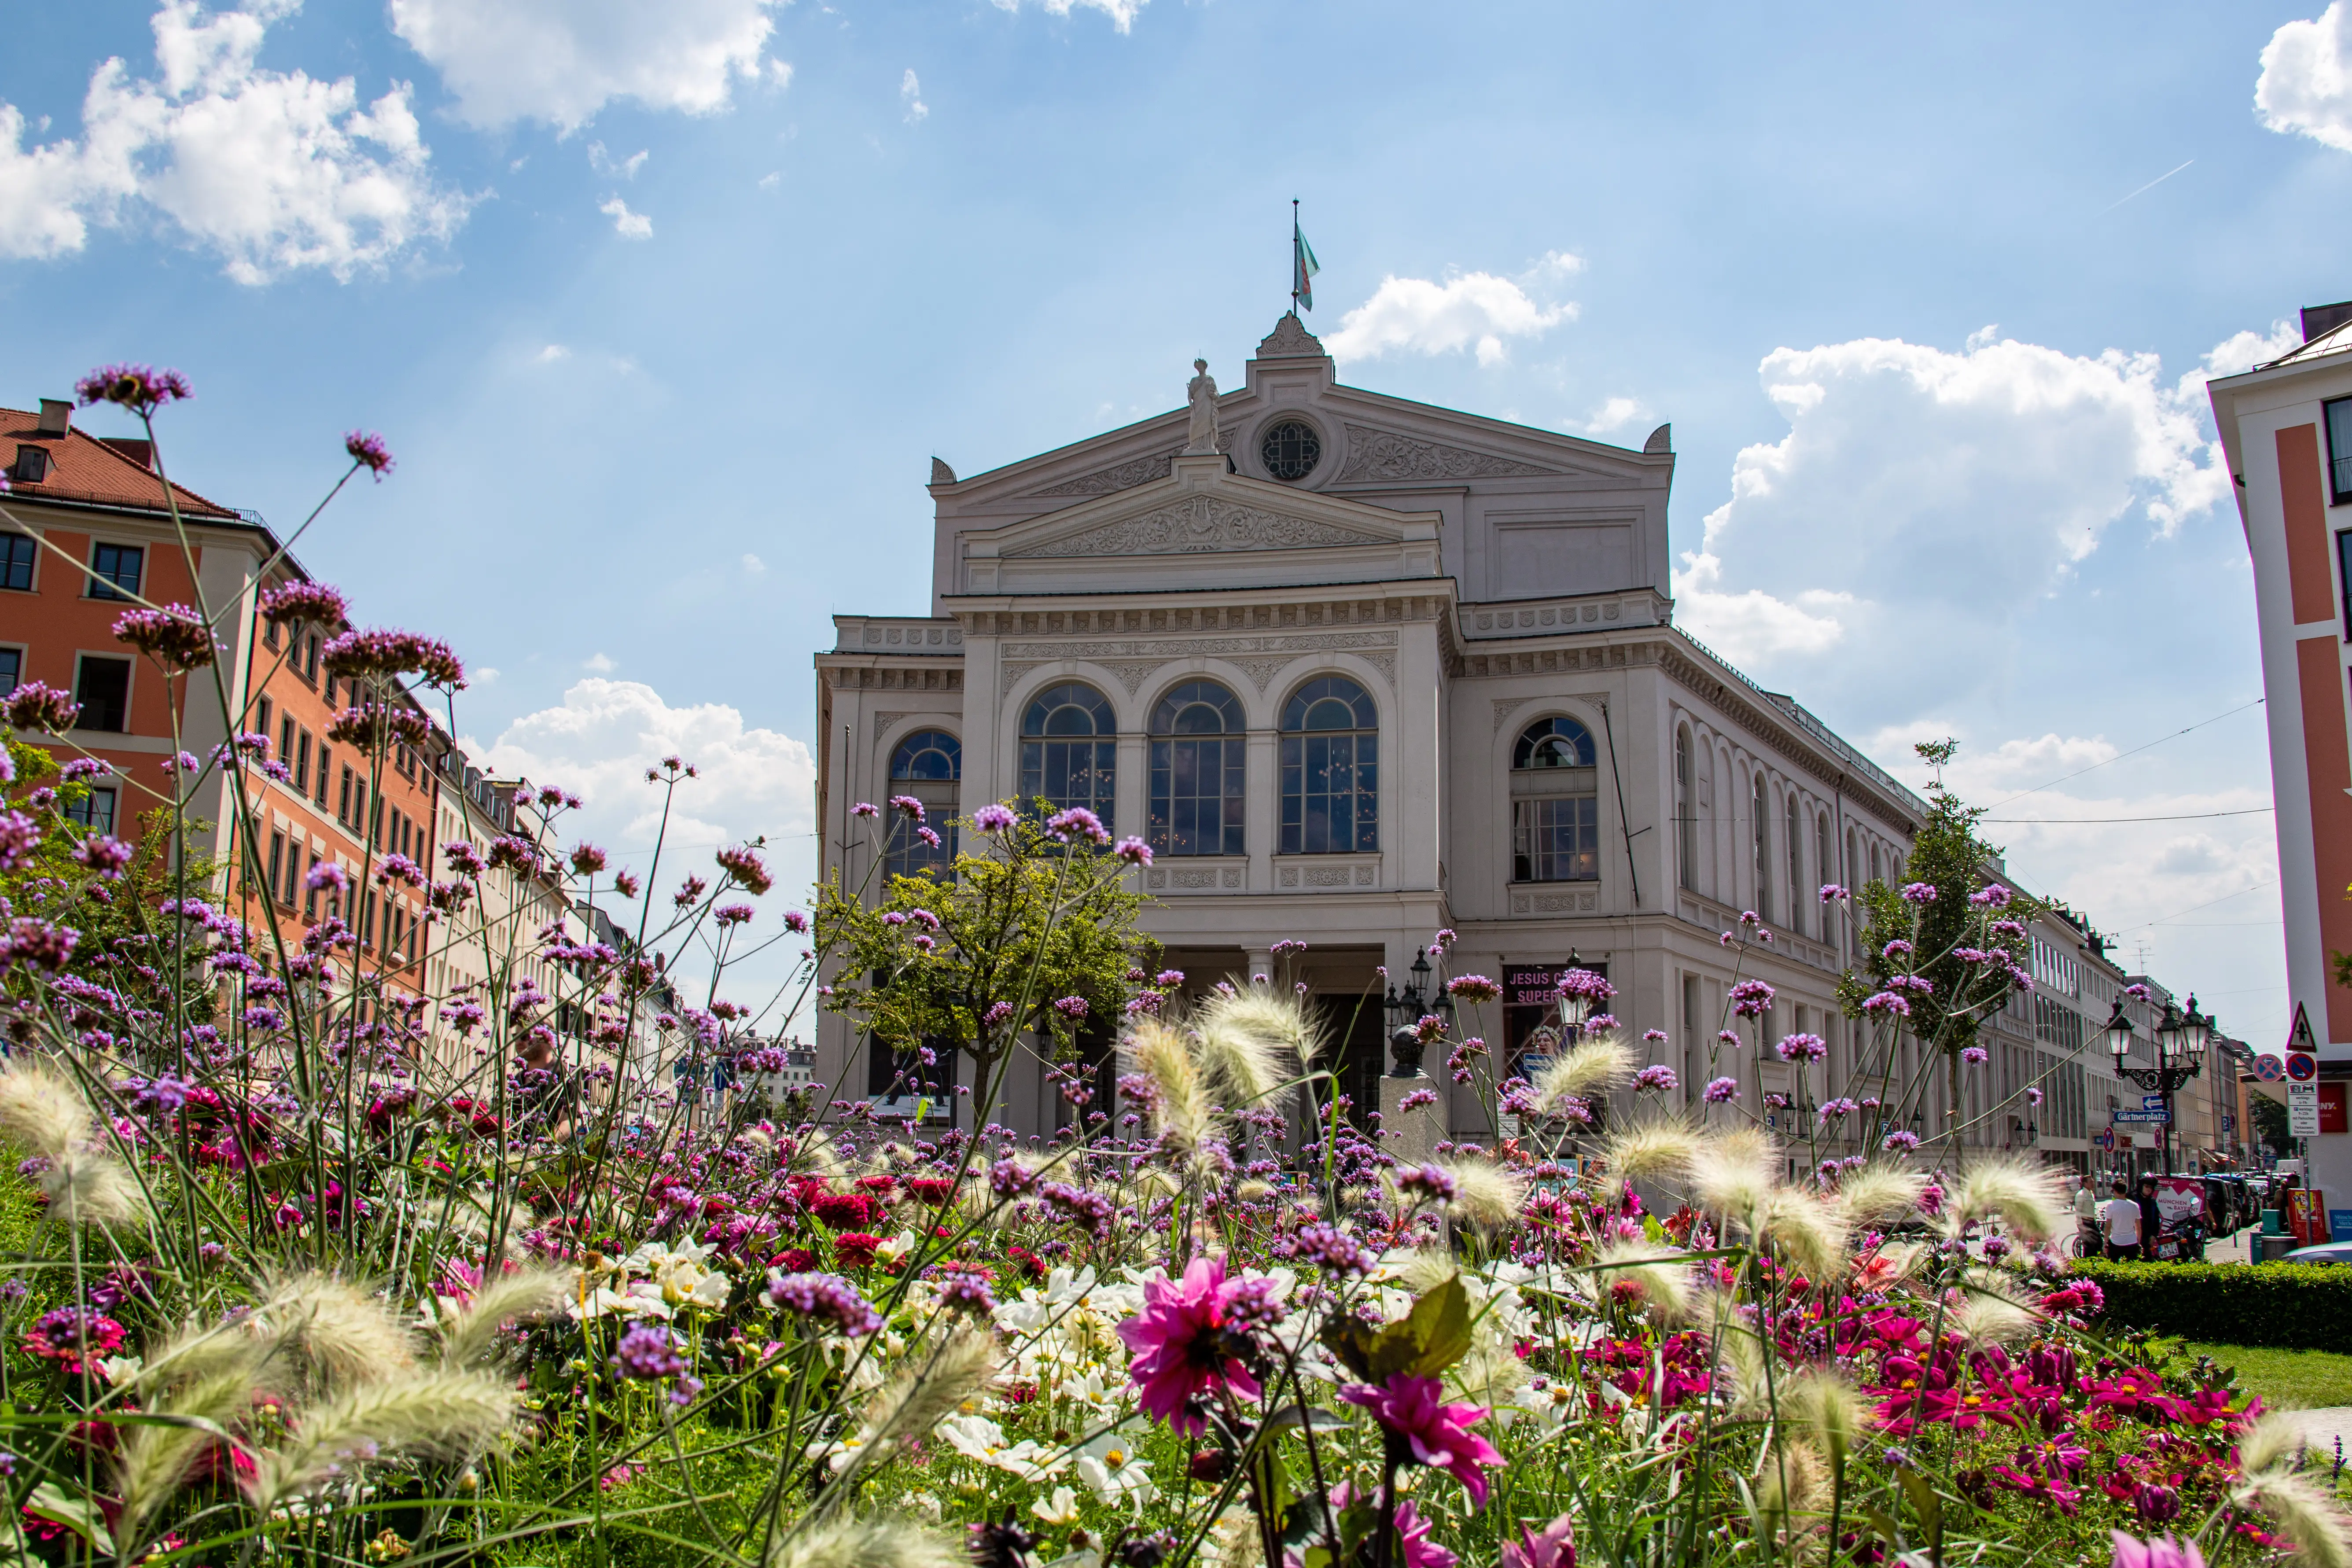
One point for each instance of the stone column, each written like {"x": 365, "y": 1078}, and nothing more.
{"x": 1413, "y": 1136}
{"x": 1131, "y": 791}
{"x": 1262, "y": 810}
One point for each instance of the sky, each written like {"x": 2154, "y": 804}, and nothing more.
{"x": 664, "y": 310}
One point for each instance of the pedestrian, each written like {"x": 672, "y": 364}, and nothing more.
{"x": 2087, "y": 1217}
{"x": 2151, "y": 1219}
{"x": 2119, "y": 1217}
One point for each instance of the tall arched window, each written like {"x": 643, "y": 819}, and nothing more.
{"x": 927, "y": 765}
{"x": 1877, "y": 864}
{"x": 1825, "y": 868}
{"x": 1069, "y": 754}
{"x": 1685, "y": 813}
{"x": 1197, "y": 771}
{"x": 1330, "y": 769}
{"x": 1793, "y": 832}
{"x": 1761, "y": 814}
{"x": 1555, "y": 816}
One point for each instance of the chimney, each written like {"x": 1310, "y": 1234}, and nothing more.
{"x": 56, "y": 416}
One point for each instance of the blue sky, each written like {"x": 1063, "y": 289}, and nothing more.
{"x": 1894, "y": 277}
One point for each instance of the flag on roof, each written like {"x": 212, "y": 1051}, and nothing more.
{"x": 1303, "y": 265}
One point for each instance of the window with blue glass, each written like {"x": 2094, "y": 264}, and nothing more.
{"x": 1198, "y": 771}
{"x": 114, "y": 570}
{"x": 929, "y": 766}
{"x": 2339, "y": 450}
{"x": 1555, "y": 812}
{"x": 1330, "y": 769}
{"x": 12, "y": 669}
{"x": 1069, "y": 749}
{"x": 16, "y": 550}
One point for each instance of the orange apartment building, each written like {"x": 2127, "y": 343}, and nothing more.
{"x": 84, "y": 526}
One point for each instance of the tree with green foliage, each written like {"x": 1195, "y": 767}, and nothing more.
{"x": 1033, "y": 935}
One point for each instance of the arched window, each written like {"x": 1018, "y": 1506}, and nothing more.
{"x": 1825, "y": 868}
{"x": 1330, "y": 769}
{"x": 1761, "y": 815}
{"x": 1877, "y": 864}
{"x": 1555, "y": 816}
{"x": 1685, "y": 813}
{"x": 928, "y": 766}
{"x": 1793, "y": 832}
{"x": 1197, "y": 771}
{"x": 1069, "y": 754}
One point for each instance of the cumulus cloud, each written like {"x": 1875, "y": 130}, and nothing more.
{"x": 273, "y": 172}
{"x": 627, "y": 168}
{"x": 1613, "y": 415}
{"x": 601, "y": 663}
{"x": 2305, "y": 88}
{"x": 1122, "y": 13}
{"x": 627, "y": 224}
{"x": 753, "y": 566}
{"x": 562, "y": 61}
{"x": 599, "y": 742}
{"x": 1921, "y": 492}
{"x": 911, "y": 95}
{"x": 1478, "y": 311}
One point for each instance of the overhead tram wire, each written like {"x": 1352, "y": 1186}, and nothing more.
{"x": 2135, "y": 750}
{"x": 2094, "y": 821}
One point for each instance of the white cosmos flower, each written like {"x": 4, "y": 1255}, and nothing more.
{"x": 1062, "y": 1508}
{"x": 974, "y": 1436}
{"x": 1112, "y": 1467}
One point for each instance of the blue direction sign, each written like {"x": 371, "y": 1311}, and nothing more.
{"x": 2132, "y": 1118}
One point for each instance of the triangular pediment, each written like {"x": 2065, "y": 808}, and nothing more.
{"x": 1202, "y": 518}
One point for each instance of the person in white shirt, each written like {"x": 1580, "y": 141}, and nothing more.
{"x": 2119, "y": 1219}
{"x": 2086, "y": 1215}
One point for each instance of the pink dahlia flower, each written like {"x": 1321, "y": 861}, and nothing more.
{"x": 1182, "y": 1342}
{"x": 1438, "y": 1433}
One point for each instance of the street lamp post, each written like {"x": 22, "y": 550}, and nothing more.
{"x": 2181, "y": 1042}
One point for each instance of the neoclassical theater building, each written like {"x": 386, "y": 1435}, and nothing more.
{"x": 1360, "y": 668}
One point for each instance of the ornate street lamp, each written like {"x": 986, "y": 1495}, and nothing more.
{"x": 2181, "y": 1042}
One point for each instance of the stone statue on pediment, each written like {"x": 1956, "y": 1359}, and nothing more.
{"x": 1200, "y": 392}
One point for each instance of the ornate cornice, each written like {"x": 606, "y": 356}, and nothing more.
{"x": 1198, "y": 524}
{"x": 1352, "y": 611}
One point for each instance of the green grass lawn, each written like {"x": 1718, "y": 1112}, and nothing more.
{"x": 2301, "y": 1379}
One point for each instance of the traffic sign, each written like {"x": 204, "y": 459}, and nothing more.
{"x": 2302, "y": 1066}
{"x": 2159, "y": 1117}
{"x": 2152, "y": 1103}
{"x": 2270, "y": 1068}
{"x": 2105, "y": 1137}
{"x": 2303, "y": 1110}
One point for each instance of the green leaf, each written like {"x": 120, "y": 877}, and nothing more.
{"x": 1439, "y": 1325}
{"x": 76, "y": 1514}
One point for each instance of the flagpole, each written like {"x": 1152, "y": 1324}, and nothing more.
{"x": 1294, "y": 256}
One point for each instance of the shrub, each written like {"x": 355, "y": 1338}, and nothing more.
{"x": 2293, "y": 1306}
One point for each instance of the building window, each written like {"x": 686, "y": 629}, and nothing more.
{"x": 301, "y": 747}
{"x": 2339, "y": 450}
{"x": 2344, "y": 575}
{"x": 1822, "y": 864}
{"x": 103, "y": 689}
{"x": 32, "y": 464}
{"x": 1290, "y": 449}
{"x": 114, "y": 570}
{"x": 12, "y": 669}
{"x": 261, "y": 718}
{"x": 326, "y": 767}
{"x": 1685, "y": 813}
{"x": 17, "y": 552}
{"x": 1197, "y": 771}
{"x": 94, "y": 811}
{"x": 1069, "y": 754}
{"x": 277, "y": 861}
{"x": 311, "y": 890}
{"x": 1330, "y": 769}
{"x": 925, "y": 765}
{"x": 1794, "y": 833}
{"x": 1555, "y": 815}
{"x": 1762, "y": 816}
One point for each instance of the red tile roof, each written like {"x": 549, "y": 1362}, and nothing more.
{"x": 91, "y": 468}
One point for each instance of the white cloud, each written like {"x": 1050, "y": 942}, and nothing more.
{"x": 625, "y": 168}
{"x": 560, "y": 61}
{"x": 600, "y": 663}
{"x": 771, "y": 179}
{"x": 604, "y": 735}
{"x": 552, "y": 352}
{"x": 271, "y": 171}
{"x": 753, "y": 566}
{"x": 1920, "y": 492}
{"x": 1613, "y": 415}
{"x": 1472, "y": 310}
{"x": 1122, "y": 13}
{"x": 627, "y": 224}
{"x": 2306, "y": 82}
{"x": 910, "y": 94}
{"x": 486, "y": 675}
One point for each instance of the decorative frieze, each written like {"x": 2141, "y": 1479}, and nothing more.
{"x": 1315, "y": 871}
{"x": 873, "y": 678}
{"x": 1385, "y": 455}
{"x": 1180, "y": 879}
{"x": 1207, "y": 617}
{"x": 1200, "y": 523}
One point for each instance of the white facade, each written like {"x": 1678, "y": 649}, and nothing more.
{"x": 1472, "y": 579}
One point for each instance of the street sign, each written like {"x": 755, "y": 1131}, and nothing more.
{"x": 2105, "y": 1137}
{"x": 2302, "y": 1066}
{"x": 2303, "y": 1110}
{"x": 2298, "y": 1038}
{"x": 2151, "y": 1103}
{"x": 2270, "y": 1068}
{"x": 2160, "y": 1117}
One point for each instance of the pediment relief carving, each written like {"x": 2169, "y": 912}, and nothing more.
{"x": 1128, "y": 474}
{"x": 1199, "y": 524}
{"x": 1385, "y": 455}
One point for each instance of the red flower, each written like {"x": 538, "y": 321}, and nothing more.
{"x": 855, "y": 1249}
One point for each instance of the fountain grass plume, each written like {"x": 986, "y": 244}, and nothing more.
{"x": 153, "y": 1458}
{"x": 469, "y": 1335}
{"x": 1828, "y": 1406}
{"x": 883, "y": 1542}
{"x": 1253, "y": 1041}
{"x": 430, "y": 1414}
{"x": 928, "y": 1387}
{"x": 1660, "y": 1149}
{"x": 1180, "y": 1111}
{"x": 43, "y": 1111}
{"x": 2304, "y": 1512}
{"x": 2029, "y": 1199}
{"x": 2277, "y": 1438}
{"x": 1804, "y": 1228}
{"x": 1484, "y": 1193}
{"x": 1879, "y": 1191}
{"x": 1734, "y": 1171}
{"x": 1593, "y": 1066}
{"x": 1660, "y": 1273}
{"x": 339, "y": 1335}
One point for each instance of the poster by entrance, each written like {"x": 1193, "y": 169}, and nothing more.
{"x": 1530, "y": 1018}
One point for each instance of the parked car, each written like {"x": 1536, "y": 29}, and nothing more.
{"x": 2325, "y": 1252}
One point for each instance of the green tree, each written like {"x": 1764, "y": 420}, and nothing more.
{"x": 973, "y": 961}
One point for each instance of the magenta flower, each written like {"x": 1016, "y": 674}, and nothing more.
{"x": 1134, "y": 851}
{"x": 1721, "y": 1091}
{"x": 1439, "y": 1434}
{"x": 1076, "y": 822}
{"x": 1830, "y": 891}
{"x": 368, "y": 451}
{"x": 1802, "y": 1049}
{"x": 1886, "y": 1004}
{"x": 1654, "y": 1080}
{"x": 1919, "y": 892}
{"x": 2155, "y": 1552}
{"x": 1473, "y": 988}
{"x": 1553, "y": 1546}
{"x": 992, "y": 819}
{"x": 139, "y": 388}
{"x": 1183, "y": 1343}
{"x": 866, "y": 808}
{"x": 1751, "y": 998}
{"x": 909, "y": 805}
